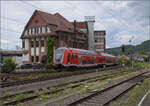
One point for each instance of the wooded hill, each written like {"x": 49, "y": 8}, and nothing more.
{"x": 142, "y": 48}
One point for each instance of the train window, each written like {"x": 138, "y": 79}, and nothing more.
{"x": 103, "y": 58}
{"x": 72, "y": 56}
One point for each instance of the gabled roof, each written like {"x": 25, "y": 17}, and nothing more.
{"x": 56, "y": 19}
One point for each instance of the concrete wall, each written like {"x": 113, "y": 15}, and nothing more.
{"x": 91, "y": 35}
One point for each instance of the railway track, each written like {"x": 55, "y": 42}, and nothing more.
{"x": 8, "y": 84}
{"x": 76, "y": 84}
{"x": 108, "y": 94}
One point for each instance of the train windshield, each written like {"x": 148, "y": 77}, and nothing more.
{"x": 58, "y": 55}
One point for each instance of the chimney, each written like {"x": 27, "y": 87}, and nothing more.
{"x": 74, "y": 44}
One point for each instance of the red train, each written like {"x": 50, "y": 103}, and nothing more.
{"x": 72, "y": 57}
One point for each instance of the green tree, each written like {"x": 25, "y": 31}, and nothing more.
{"x": 143, "y": 52}
{"x": 9, "y": 65}
{"x": 49, "y": 52}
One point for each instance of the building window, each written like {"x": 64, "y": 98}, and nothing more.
{"x": 39, "y": 30}
{"x": 33, "y": 31}
{"x": 37, "y": 43}
{"x": 37, "y": 58}
{"x": 43, "y": 29}
{"x": 32, "y": 43}
{"x": 42, "y": 43}
{"x": 25, "y": 33}
{"x": 95, "y": 40}
{"x": 47, "y": 29}
{"x": 23, "y": 44}
{"x": 32, "y": 59}
{"x": 30, "y": 31}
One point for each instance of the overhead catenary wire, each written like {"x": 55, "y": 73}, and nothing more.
{"x": 11, "y": 19}
{"x": 31, "y": 5}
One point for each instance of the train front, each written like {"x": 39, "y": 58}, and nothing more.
{"x": 58, "y": 58}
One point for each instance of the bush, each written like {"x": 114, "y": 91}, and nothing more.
{"x": 48, "y": 66}
{"x": 9, "y": 65}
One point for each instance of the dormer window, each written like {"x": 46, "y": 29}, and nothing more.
{"x": 33, "y": 31}
{"x": 25, "y": 33}
{"x": 39, "y": 29}
{"x": 47, "y": 29}
{"x": 43, "y": 29}
{"x": 30, "y": 31}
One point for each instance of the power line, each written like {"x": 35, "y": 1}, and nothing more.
{"x": 10, "y": 19}
{"x": 30, "y": 5}
{"x": 10, "y": 30}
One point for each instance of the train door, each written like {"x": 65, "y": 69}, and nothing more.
{"x": 79, "y": 57}
{"x": 69, "y": 58}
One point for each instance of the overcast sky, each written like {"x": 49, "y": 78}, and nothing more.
{"x": 122, "y": 20}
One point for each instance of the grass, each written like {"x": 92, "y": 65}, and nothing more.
{"x": 41, "y": 75}
{"x": 141, "y": 65}
{"x": 21, "y": 96}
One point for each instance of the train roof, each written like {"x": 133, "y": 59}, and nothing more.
{"x": 82, "y": 51}
{"x": 108, "y": 55}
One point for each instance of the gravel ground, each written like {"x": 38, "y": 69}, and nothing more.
{"x": 44, "y": 84}
{"x": 72, "y": 98}
{"x": 106, "y": 96}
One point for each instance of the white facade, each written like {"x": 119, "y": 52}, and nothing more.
{"x": 37, "y": 51}
{"x": 25, "y": 57}
{"x": 99, "y": 41}
{"x": 42, "y": 49}
{"x": 26, "y": 44}
{"x": 32, "y": 51}
{"x": 90, "y": 23}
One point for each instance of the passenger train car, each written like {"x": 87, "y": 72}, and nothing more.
{"x": 72, "y": 57}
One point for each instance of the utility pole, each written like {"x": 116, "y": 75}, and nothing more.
{"x": 74, "y": 42}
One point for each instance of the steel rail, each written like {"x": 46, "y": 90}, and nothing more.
{"x": 81, "y": 100}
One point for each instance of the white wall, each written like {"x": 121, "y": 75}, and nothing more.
{"x": 91, "y": 35}
{"x": 18, "y": 59}
{"x": 25, "y": 57}
{"x": 26, "y": 44}
{"x": 42, "y": 49}
{"x": 37, "y": 51}
{"x": 32, "y": 51}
